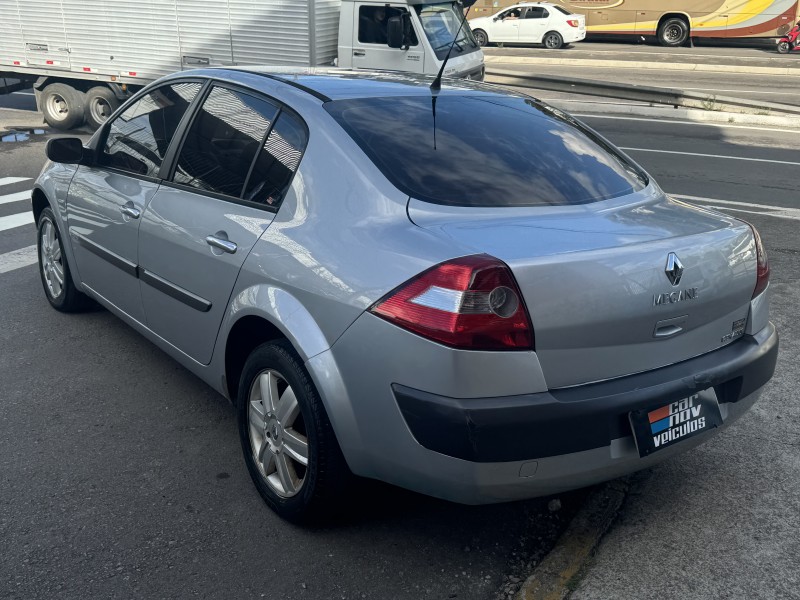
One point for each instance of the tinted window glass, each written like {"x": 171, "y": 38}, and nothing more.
{"x": 138, "y": 139}
{"x": 537, "y": 12}
{"x": 223, "y": 140}
{"x": 373, "y": 22}
{"x": 486, "y": 150}
{"x": 277, "y": 162}
{"x": 562, "y": 10}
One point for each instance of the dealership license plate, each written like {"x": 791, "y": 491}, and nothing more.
{"x": 672, "y": 423}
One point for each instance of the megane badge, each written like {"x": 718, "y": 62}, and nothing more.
{"x": 674, "y": 269}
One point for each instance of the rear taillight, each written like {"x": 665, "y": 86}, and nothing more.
{"x": 762, "y": 271}
{"x": 471, "y": 303}
{"x": 572, "y": 22}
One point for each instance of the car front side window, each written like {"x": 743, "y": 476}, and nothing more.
{"x": 138, "y": 139}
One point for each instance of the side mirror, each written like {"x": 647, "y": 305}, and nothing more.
{"x": 65, "y": 150}
{"x": 398, "y": 31}
{"x": 468, "y": 3}
{"x": 394, "y": 32}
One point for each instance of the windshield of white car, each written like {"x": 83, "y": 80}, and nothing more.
{"x": 440, "y": 23}
{"x": 489, "y": 150}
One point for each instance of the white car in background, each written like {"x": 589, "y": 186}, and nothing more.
{"x": 530, "y": 23}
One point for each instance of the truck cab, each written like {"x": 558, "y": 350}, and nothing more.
{"x": 430, "y": 28}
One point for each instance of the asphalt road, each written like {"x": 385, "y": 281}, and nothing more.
{"x": 121, "y": 475}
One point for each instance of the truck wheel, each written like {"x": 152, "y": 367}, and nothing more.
{"x": 62, "y": 106}
{"x": 673, "y": 32}
{"x": 100, "y": 104}
{"x": 288, "y": 442}
{"x": 481, "y": 37}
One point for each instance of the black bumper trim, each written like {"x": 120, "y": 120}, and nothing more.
{"x": 563, "y": 421}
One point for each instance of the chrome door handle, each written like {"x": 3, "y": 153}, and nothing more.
{"x": 359, "y": 53}
{"x": 220, "y": 244}
{"x": 132, "y": 212}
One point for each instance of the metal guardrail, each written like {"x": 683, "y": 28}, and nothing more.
{"x": 639, "y": 93}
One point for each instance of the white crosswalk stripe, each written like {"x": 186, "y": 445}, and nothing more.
{"x": 10, "y": 180}
{"x": 16, "y": 259}
{"x": 18, "y": 220}
{"x": 15, "y": 197}
{"x": 20, "y": 257}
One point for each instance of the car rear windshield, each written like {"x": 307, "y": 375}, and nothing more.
{"x": 486, "y": 150}
{"x": 562, "y": 10}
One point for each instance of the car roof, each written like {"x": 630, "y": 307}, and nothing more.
{"x": 332, "y": 83}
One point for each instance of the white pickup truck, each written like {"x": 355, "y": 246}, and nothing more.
{"x": 85, "y": 58}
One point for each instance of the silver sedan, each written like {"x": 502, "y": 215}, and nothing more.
{"x": 464, "y": 292}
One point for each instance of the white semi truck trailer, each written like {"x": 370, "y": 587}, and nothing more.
{"x": 85, "y": 57}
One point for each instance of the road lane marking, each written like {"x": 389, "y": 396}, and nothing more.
{"x": 24, "y": 93}
{"x": 764, "y": 160}
{"x": 17, "y": 220}
{"x": 16, "y": 259}
{"x": 15, "y": 197}
{"x": 781, "y": 212}
{"x": 667, "y": 121}
{"x": 10, "y": 180}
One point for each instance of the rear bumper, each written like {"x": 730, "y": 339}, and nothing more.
{"x": 580, "y": 418}
{"x": 487, "y": 429}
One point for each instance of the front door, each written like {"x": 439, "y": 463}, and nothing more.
{"x": 231, "y": 174}
{"x": 534, "y": 24}
{"x": 505, "y": 27}
{"x": 370, "y": 47}
{"x": 106, "y": 200}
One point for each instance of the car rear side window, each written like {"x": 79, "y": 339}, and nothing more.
{"x": 486, "y": 150}
{"x": 138, "y": 139}
{"x": 537, "y": 12}
{"x": 278, "y": 161}
{"x": 229, "y": 130}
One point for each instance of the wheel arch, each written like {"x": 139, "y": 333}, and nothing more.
{"x": 260, "y": 314}
{"x": 675, "y": 15}
{"x": 39, "y": 202}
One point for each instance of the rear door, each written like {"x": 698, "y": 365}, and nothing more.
{"x": 534, "y": 24}
{"x": 231, "y": 173}
{"x": 106, "y": 200}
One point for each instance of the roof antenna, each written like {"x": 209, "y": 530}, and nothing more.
{"x": 436, "y": 86}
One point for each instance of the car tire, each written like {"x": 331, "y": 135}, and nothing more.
{"x": 673, "y": 32}
{"x": 553, "y": 40}
{"x": 54, "y": 270}
{"x": 63, "y": 106}
{"x": 481, "y": 37}
{"x": 278, "y": 436}
{"x": 100, "y": 104}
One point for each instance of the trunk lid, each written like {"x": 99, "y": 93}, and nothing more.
{"x": 595, "y": 282}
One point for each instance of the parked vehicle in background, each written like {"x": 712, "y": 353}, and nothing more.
{"x": 461, "y": 291}
{"x": 790, "y": 42}
{"x": 530, "y": 23}
{"x": 85, "y": 59}
{"x": 672, "y": 22}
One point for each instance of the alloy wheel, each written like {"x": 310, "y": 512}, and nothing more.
{"x": 52, "y": 261}
{"x": 278, "y": 437}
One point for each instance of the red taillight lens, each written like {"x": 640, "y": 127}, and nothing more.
{"x": 471, "y": 303}
{"x": 762, "y": 272}
{"x": 572, "y": 22}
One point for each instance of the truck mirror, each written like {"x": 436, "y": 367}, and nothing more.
{"x": 65, "y": 150}
{"x": 468, "y": 3}
{"x": 394, "y": 32}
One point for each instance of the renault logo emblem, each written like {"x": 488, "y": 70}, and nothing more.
{"x": 674, "y": 269}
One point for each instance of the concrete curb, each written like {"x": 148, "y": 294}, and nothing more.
{"x": 682, "y": 114}
{"x": 642, "y": 93}
{"x": 558, "y": 574}
{"x": 631, "y": 64}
